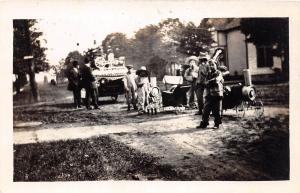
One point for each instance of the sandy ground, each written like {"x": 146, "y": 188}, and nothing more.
{"x": 236, "y": 151}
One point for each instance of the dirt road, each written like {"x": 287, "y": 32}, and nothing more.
{"x": 161, "y": 147}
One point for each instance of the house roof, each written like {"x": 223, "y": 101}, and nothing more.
{"x": 224, "y": 24}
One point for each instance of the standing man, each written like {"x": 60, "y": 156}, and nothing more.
{"x": 191, "y": 75}
{"x": 202, "y": 73}
{"x": 89, "y": 83}
{"x": 74, "y": 84}
{"x": 130, "y": 88}
{"x": 213, "y": 96}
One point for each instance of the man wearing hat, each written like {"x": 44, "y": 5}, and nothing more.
{"x": 143, "y": 86}
{"x": 202, "y": 73}
{"x": 89, "y": 84}
{"x": 130, "y": 88}
{"x": 74, "y": 84}
{"x": 191, "y": 75}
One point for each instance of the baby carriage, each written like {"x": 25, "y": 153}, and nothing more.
{"x": 173, "y": 98}
{"x": 154, "y": 101}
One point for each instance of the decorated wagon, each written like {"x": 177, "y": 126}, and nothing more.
{"x": 109, "y": 77}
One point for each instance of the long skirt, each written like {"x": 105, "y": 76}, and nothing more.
{"x": 142, "y": 96}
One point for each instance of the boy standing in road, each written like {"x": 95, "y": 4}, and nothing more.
{"x": 130, "y": 88}
{"x": 213, "y": 96}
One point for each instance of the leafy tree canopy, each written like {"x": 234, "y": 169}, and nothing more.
{"x": 26, "y": 42}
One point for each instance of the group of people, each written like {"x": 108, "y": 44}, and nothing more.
{"x": 137, "y": 88}
{"x": 207, "y": 84}
{"x": 83, "y": 78}
{"x": 205, "y": 76}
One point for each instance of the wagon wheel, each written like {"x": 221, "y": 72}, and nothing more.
{"x": 240, "y": 109}
{"x": 179, "y": 109}
{"x": 258, "y": 109}
{"x": 114, "y": 98}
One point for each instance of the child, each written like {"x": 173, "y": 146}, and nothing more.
{"x": 154, "y": 101}
{"x": 213, "y": 96}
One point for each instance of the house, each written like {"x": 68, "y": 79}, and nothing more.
{"x": 240, "y": 54}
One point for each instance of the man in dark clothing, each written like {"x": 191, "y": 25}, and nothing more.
{"x": 74, "y": 84}
{"x": 203, "y": 66}
{"x": 89, "y": 84}
{"x": 213, "y": 96}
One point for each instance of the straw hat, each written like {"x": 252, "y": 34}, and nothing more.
{"x": 142, "y": 72}
{"x": 195, "y": 58}
{"x": 204, "y": 55}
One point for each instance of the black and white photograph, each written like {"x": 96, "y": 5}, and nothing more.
{"x": 150, "y": 93}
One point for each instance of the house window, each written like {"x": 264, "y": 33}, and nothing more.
{"x": 264, "y": 56}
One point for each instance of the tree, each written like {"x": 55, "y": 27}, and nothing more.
{"x": 26, "y": 42}
{"x": 170, "y": 32}
{"x": 59, "y": 69}
{"x": 269, "y": 32}
{"x": 141, "y": 47}
{"x": 72, "y": 56}
{"x": 117, "y": 42}
{"x": 195, "y": 39}
{"x": 155, "y": 66}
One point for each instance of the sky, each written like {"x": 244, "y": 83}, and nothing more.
{"x": 64, "y": 32}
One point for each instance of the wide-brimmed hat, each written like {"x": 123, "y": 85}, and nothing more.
{"x": 129, "y": 66}
{"x": 142, "y": 72}
{"x": 204, "y": 56}
{"x": 195, "y": 58}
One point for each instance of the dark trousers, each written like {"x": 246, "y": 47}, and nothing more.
{"x": 212, "y": 104}
{"x": 91, "y": 92}
{"x": 200, "y": 98}
{"x": 192, "y": 92}
{"x": 77, "y": 96}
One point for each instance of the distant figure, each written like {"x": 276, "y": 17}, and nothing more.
{"x": 53, "y": 82}
{"x": 130, "y": 88}
{"x": 213, "y": 96}
{"x": 143, "y": 86}
{"x": 74, "y": 84}
{"x": 110, "y": 55}
{"x": 89, "y": 84}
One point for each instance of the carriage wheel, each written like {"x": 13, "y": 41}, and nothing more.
{"x": 179, "y": 109}
{"x": 240, "y": 109}
{"x": 114, "y": 98}
{"x": 258, "y": 109}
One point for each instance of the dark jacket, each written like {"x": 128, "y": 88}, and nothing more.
{"x": 74, "y": 79}
{"x": 214, "y": 84}
{"x": 88, "y": 79}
